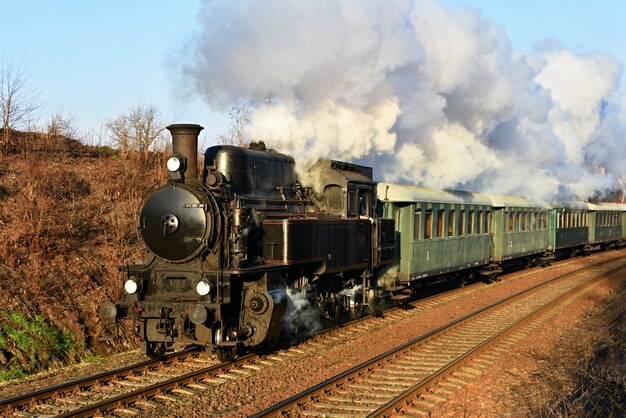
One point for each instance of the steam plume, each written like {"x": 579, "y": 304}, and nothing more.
{"x": 425, "y": 93}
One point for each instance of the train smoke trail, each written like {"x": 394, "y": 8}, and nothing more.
{"x": 425, "y": 93}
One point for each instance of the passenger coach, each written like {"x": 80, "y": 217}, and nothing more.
{"x": 438, "y": 231}
{"x": 606, "y": 223}
{"x": 520, "y": 230}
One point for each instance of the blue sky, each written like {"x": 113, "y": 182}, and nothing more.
{"x": 97, "y": 59}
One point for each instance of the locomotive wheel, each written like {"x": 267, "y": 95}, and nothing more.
{"x": 226, "y": 354}
{"x": 155, "y": 350}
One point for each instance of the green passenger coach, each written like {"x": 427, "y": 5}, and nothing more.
{"x": 520, "y": 229}
{"x": 605, "y": 224}
{"x": 438, "y": 231}
{"x": 623, "y": 206}
{"x": 568, "y": 228}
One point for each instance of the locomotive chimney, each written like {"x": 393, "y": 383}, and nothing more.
{"x": 185, "y": 143}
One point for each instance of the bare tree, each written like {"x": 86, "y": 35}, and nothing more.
{"x": 61, "y": 125}
{"x": 137, "y": 130}
{"x": 18, "y": 100}
{"x": 239, "y": 117}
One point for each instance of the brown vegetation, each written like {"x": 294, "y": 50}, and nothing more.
{"x": 585, "y": 374}
{"x": 67, "y": 215}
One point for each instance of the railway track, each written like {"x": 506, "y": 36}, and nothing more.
{"x": 133, "y": 389}
{"x": 412, "y": 379}
{"x": 67, "y": 398}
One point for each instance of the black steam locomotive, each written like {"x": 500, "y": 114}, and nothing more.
{"x": 227, "y": 252}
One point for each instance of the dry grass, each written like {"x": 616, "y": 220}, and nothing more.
{"x": 66, "y": 224}
{"x": 585, "y": 375}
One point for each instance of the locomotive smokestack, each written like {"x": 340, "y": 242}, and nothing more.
{"x": 185, "y": 143}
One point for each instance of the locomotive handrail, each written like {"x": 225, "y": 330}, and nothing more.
{"x": 273, "y": 199}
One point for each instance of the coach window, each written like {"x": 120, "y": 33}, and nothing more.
{"x": 461, "y": 223}
{"x": 440, "y": 219}
{"x": 470, "y": 223}
{"x": 417, "y": 220}
{"x": 428, "y": 227}
{"x": 488, "y": 222}
{"x": 451, "y": 223}
{"x": 511, "y": 221}
{"x": 480, "y": 226}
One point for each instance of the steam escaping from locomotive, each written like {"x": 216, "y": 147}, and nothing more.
{"x": 423, "y": 92}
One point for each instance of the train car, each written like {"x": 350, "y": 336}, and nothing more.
{"x": 605, "y": 224}
{"x": 568, "y": 229}
{"x": 439, "y": 232}
{"x": 623, "y": 243}
{"x": 519, "y": 229}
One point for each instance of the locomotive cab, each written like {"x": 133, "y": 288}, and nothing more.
{"x": 348, "y": 189}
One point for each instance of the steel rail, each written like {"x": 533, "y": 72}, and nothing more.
{"x": 405, "y": 399}
{"x": 48, "y": 392}
{"x": 293, "y": 402}
{"x": 155, "y": 389}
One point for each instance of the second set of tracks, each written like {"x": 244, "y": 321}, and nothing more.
{"x": 412, "y": 378}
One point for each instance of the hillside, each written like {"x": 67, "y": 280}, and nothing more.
{"x": 67, "y": 214}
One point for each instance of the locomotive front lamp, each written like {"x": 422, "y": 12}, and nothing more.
{"x": 108, "y": 311}
{"x": 131, "y": 286}
{"x": 203, "y": 288}
{"x": 198, "y": 314}
{"x": 174, "y": 164}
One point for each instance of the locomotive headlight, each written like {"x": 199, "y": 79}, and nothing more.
{"x": 174, "y": 164}
{"x": 131, "y": 286}
{"x": 203, "y": 288}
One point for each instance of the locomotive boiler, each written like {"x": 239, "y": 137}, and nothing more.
{"x": 228, "y": 251}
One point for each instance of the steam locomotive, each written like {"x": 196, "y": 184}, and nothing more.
{"x": 228, "y": 252}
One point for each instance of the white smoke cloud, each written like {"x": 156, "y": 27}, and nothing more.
{"x": 425, "y": 93}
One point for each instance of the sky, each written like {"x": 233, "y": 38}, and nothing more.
{"x": 194, "y": 59}
{"x": 97, "y": 59}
